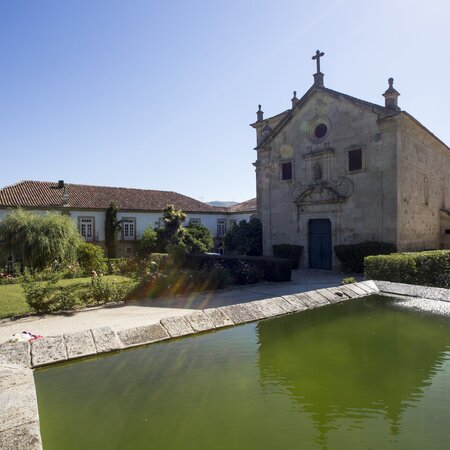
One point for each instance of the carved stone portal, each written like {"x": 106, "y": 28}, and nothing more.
{"x": 321, "y": 191}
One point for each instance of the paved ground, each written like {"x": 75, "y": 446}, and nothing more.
{"x": 151, "y": 311}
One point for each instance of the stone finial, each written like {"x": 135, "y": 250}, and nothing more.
{"x": 294, "y": 99}
{"x": 259, "y": 114}
{"x": 391, "y": 96}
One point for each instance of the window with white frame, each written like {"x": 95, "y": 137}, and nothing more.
{"x": 221, "y": 227}
{"x": 233, "y": 222}
{"x": 129, "y": 229}
{"x": 195, "y": 222}
{"x": 86, "y": 228}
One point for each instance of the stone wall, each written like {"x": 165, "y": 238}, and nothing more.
{"x": 423, "y": 186}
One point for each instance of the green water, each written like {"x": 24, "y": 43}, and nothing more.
{"x": 357, "y": 375}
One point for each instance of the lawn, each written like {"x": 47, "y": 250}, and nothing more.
{"x": 12, "y": 298}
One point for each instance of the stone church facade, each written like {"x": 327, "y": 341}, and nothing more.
{"x": 334, "y": 169}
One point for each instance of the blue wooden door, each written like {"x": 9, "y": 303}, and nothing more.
{"x": 320, "y": 244}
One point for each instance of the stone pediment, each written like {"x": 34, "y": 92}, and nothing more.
{"x": 322, "y": 191}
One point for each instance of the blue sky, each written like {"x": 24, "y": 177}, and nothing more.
{"x": 159, "y": 95}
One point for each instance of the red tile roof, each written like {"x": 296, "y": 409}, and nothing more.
{"x": 43, "y": 194}
{"x": 244, "y": 207}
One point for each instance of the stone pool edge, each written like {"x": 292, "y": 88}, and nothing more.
{"x": 19, "y": 419}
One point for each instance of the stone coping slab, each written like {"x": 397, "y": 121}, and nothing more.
{"x": 19, "y": 420}
{"x": 79, "y": 344}
{"x": 177, "y": 326}
{"x": 412, "y": 290}
{"x": 142, "y": 335}
{"x": 199, "y": 321}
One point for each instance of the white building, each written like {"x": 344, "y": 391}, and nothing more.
{"x": 138, "y": 208}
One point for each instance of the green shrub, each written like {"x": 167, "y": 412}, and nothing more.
{"x": 246, "y": 273}
{"x": 352, "y": 256}
{"x": 104, "y": 291}
{"x": 178, "y": 252}
{"x": 288, "y": 251}
{"x": 273, "y": 269}
{"x": 92, "y": 258}
{"x": 44, "y": 297}
{"x": 348, "y": 280}
{"x": 197, "y": 238}
{"x": 147, "y": 243}
{"x": 245, "y": 238}
{"x": 120, "y": 266}
{"x": 430, "y": 268}
{"x": 162, "y": 260}
{"x": 176, "y": 281}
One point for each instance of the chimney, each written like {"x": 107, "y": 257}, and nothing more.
{"x": 391, "y": 96}
{"x": 61, "y": 184}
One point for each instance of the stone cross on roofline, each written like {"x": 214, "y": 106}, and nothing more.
{"x": 318, "y": 76}
{"x": 317, "y": 57}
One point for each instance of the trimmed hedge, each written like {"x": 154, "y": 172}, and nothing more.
{"x": 430, "y": 268}
{"x": 352, "y": 256}
{"x": 272, "y": 269}
{"x": 288, "y": 251}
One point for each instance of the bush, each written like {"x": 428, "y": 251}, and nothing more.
{"x": 92, "y": 258}
{"x": 162, "y": 260}
{"x": 197, "y": 239}
{"x": 348, "y": 280}
{"x": 178, "y": 252}
{"x": 103, "y": 291}
{"x": 273, "y": 269}
{"x": 352, "y": 256}
{"x": 120, "y": 266}
{"x": 430, "y": 268}
{"x": 288, "y": 251}
{"x": 175, "y": 281}
{"x": 245, "y": 273}
{"x": 147, "y": 243}
{"x": 245, "y": 238}
{"x": 48, "y": 297}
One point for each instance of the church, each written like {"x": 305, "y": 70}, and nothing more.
{"x": 334, "y": 169}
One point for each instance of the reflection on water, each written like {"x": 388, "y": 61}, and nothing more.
{"x": 355, "y": 362}
{"x": 363, "y": 375}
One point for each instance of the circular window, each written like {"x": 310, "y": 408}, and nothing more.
{"x": 320, "y": 131}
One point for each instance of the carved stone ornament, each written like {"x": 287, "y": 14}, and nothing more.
{"x": 321, "y": 191}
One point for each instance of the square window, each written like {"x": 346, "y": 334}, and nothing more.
{"x": 286, "y": 171}
{"x": 355, "y": 160}
{"x": 195, "y": 222}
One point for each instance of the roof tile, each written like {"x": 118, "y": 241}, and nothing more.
{"x": 43, "y": 194}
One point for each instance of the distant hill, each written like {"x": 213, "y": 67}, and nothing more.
{"x": 224, "y": 204}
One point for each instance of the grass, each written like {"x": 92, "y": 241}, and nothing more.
{"x": 12, "y": 298}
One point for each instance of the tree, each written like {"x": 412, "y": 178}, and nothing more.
{"x": 39, "y": 240}
{"x": 172, "y": 231}
{"x": 197, "y": 239}
{"x": 245, "y": 238}
{"x": 112, "y": 228}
